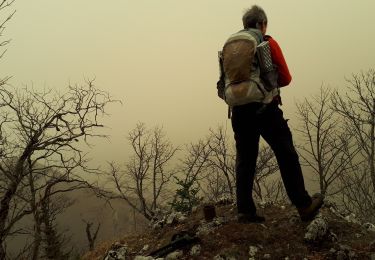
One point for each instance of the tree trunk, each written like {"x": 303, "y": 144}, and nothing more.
{"x": 52, "y": 249}
{"x": 37, "y": 239}
{"x": 4, "y": 211}
{"x": 372, "y": 149}
{"x": 229, "y": 184}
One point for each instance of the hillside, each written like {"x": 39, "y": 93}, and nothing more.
{"x": 116, "y": 218}
{"x": 282, "y": 236}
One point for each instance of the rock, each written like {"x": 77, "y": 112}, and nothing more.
{"x": 333, "y": 236}
{"x": 252, "y": 251}
{"x": 266, "y": 256}
{"x": 345, "y": 252}
{"x": 157, "y": 224}
{"x": 225, "y": 199}
{"x": 352, "y": 255}
{"x": 341, "y": 255}
{"x": 208, "y": 227}
{"x": 317, "y": 229}
{"x": 162, "y": 218}
{"x": 328, "y": 203}
{"x": 345, "y": 248}
{"x": 369, "y": 227}
{"x": 175, "y": 217}
{"x": 145, "y": 248}
{"x": 263, "y": 204}
{"x": 352, "y": 218}
{"x": 332, "y": 250}
{"x": 219, "y": 221}
{"x": 117, "y": 253}
{"x": 140, "y": 257}
{"x": 195, "y": 250}
{"x": 282, "y": 207}
{"x": 171, "y": 219}
{"x": 372, "y": 246}
{"x": 294, "y": 219}
{"x": 174, "y": 255}
{"x": 264, "y": 226}
{"x": 225, "y": 257}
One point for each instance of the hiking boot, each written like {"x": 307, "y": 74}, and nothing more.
{"x": 308, "y": 213}
{"x": 249, "y": 218}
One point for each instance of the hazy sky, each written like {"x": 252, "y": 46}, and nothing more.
{"x": 160, "y": 56}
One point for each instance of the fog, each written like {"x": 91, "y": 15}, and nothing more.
{"x": 160, "y": 57}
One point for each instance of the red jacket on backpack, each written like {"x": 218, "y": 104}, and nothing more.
{"x": 278, "y": 59}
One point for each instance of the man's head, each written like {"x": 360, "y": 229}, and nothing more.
{"x": 256, "y": 18}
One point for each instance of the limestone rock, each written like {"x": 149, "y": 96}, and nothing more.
{"x": 253, "y": 250}
{"x": 195, "y": 250}
{"x": 174, "y": 255}
{"x": 117, "y": 253}
{"x": 317, "y": 229}
{"x": 140, "y": 257}
{"x": 369, "y": 227}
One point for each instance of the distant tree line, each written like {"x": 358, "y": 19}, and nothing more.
{"x": 338, "y": 129}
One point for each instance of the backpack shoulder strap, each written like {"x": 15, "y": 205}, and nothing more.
{"x": 257, "y": 34}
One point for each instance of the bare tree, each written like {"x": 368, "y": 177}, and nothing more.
{"x": 221, "y": 162}
{"x": 4, "y": 6}
{"x": 357, "y": 109}
{"x": 51, "y": 207}
{"x": 147, "y": 173}
{"x": 217, "y": 160}
{"x": 325, "y": 149}
{"x": 265, "y": 167}
{"x": 192, "y": 175}
{"x": 91, "y": 237}
{"x": 274, "y": 191}
{"x": 42, "y": 137}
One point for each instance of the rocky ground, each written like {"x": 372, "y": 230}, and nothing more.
{"x": 283, "y": 236}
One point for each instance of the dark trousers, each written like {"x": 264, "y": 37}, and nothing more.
{"x": 249, "y": 122}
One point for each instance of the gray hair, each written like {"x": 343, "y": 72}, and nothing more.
{"x": 253, "y": 16}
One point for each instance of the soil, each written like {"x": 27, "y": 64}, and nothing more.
{"x": 280, "y": 236}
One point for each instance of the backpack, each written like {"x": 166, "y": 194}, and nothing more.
{"x": 246, "y": 75}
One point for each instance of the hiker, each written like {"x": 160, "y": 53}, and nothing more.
{"x": 254, "y": 115}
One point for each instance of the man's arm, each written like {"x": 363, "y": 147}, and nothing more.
{"x": 278, "y": 59}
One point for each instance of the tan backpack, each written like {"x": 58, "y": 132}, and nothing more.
{"x": 241, "y": 70}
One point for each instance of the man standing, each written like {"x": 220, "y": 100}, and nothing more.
{"x": 252, "y": 120}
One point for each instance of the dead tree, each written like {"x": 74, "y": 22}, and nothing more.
{"x": 265, "y": 167}
{"x": 44, "y": 134}
{"x": 52, "y": 206}
{"x": 91, "y": 237}
{"x": 221, "y": 162}
{"x": 357, "y": 109}
{"x": 147, "y": 173}
{"x": 4, "y": 7}
{"x": 211, "y": 163}
{"x": 192, "y": 175}
{"x": 326, "y": 149}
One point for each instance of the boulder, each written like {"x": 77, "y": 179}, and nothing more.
{"x": 317, "y": 229}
